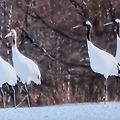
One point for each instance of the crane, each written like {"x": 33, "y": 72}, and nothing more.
{"x": 7, "y": 75}
{"x": 101, "y": 61}
{"x": 26, "y": 69}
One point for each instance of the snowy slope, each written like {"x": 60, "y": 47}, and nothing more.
{"x": 86, "y": 111}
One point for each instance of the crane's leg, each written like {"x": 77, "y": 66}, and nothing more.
{"x": 8, "y": 90}
{"x": 27, "y": 95}
{"x": 105, "y": 90}
{"x": 117, "y": 78}
{"x": 7, "y": 86}
{"x": 3, "y": 97}
{"x": 14, "y": 96}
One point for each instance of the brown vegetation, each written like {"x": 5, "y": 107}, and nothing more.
{"x": 46, "y": 35}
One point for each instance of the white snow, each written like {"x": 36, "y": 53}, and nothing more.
{"x": 86, "y": 111}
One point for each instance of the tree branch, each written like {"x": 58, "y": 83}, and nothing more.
{"x": 52, "y": 27}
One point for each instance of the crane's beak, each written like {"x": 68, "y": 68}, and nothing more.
{"x": 8, "y": 35}
{"x": 77, "y": 26}
{"x": 108, "y": 23}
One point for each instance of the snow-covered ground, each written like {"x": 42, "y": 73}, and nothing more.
{"x": 86, "y": 111}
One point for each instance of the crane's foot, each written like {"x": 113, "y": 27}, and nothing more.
{"x": 28, "y": 98}
{"x": 105, "y": 91}
{"x": 117, "y": 78}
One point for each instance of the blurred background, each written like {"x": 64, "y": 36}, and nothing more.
{"x": 47, "y": 34}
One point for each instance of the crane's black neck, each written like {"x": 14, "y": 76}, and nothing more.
{"x": 118, "y": 29}
{"x": 14, "y": 42}
{"x": 89, "y": 32}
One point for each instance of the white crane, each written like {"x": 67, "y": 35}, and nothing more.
{"x": 26, "y": 69}
{"x": 101, "y": 61}
{"x": 7, "y": 75}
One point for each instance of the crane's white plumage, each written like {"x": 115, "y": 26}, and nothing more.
{"x": 7, "y": 73}
{"x": 88, "y": 23}
{"x": 117, "y": 21}
{"x": 101, "y": 61}
{"x": 26, "y": 69}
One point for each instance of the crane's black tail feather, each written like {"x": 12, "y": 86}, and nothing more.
{"x": 118, "y": 77}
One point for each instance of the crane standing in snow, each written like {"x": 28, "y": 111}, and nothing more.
{"x": 26, "y": 69}
{"x": 101, "y": 61}
{"x": 7, "y": 75}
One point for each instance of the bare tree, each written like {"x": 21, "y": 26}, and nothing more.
{"x": 47, "y": 34}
